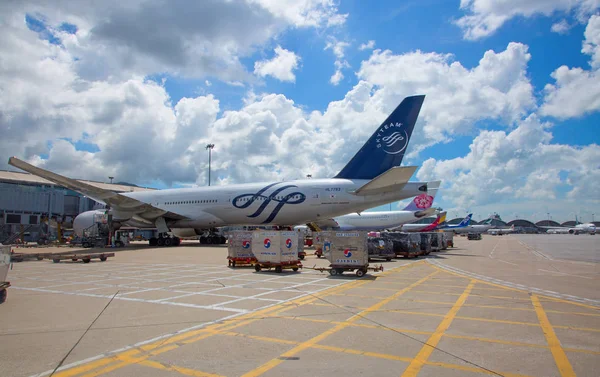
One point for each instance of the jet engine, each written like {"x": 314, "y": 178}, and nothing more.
{"x": 86, "y": 220}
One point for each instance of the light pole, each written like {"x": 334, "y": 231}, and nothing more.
{"x": 111, "y": 178}
{"x": 210, "y": 148}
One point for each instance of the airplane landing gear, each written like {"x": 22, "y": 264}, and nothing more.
{"x": 164, "y": 240}
{"x": 213, "y": 239}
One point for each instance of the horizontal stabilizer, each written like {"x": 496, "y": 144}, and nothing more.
{"x": 392, "y": 180}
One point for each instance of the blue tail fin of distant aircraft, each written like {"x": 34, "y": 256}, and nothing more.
{"x": 385, "y": 149}
{"x": 465, "y": 221}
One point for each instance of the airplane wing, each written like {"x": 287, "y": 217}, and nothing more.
{"x": 116, "y": 201}
{"x": 392, "y": 180}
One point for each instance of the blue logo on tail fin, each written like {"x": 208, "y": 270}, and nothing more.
{"x": 386, "y": 147}
{"x": 466, "y": 220}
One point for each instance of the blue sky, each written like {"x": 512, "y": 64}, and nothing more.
{"x": 106, "y": 51}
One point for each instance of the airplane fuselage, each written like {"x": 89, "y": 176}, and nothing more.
{"x": 377, "y": 220}
{"x": 279, "y": 203}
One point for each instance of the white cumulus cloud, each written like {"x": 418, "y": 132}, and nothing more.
{"x": 367, "y": 46}
{"x": 484, "y": 17}
{"x": 281, "y": 67}
{"x": 561, "y": 27}
{"x": 456, "y": 97}
{"x": 340, "y": 63}
{"x": 521, "y": 164}
{"x": 576, "y": 91}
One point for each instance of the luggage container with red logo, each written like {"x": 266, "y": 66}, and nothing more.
{"x": 239, "y": 249}
{"x": 346, "y": 251}
{"x": 275, "y": 249}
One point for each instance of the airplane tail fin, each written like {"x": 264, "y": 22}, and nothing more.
{"x": 466, "y": 220}
{"x": 425, "y": 200}
{"x": 440, "y": 218}
{"x": 386, "y": 147}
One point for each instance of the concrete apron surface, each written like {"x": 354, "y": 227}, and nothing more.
{"x": 181, "y": 311}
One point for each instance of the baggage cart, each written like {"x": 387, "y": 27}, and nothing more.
{"x": 407, "y": 245}
{"x": 20, "y": 257}
{"x": 444, "y": 240}
{"x": 85, "y": 258}
{"x": 275, "y": 249}
{"x": 449, "y": 240}
{"x": 300, "y": 245}
{"x": 239, "y": 249}
{"x": 425, "y": 243}
{"x": 4, "y": 266}
{"x": 346, "y": 251}
{"x": 474, "y": 236}
{"x": 318, "y": 243}
{"x": 380, "y": 248}
{"x": 436, "y": 241}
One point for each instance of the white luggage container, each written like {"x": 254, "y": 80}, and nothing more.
{"x": 239, "y": 249}
{"x": 275, "y": 249}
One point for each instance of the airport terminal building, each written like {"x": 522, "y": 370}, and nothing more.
{"x": 27, "y": 201}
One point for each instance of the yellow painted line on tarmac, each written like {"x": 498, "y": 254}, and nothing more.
{"x": 587, "y": 329}
{"x": 410, "y": 331}
{"x": 467, "y": 318}
{"x": 474, "y": 369}
{"x": 359, "y": 296}
{"x": 311, "y": 342}
{"x": 132, "y": 356}
{"x": 541, "y": 296}
{"x": 549, "y": 298}
{"x": 475, "y": 295}
{"x": 377, "y": 355}
{"x": 173, "y": 368}
{"x": 560, "y": 357}
{"x": 415, "y": 366}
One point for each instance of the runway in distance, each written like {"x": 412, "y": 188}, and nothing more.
{"x": 418, "y": 208}
{"x": 372, "y": 178}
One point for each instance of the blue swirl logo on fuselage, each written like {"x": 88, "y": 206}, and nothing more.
{"x": 246, "y": 200}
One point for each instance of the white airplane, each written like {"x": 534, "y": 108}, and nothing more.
{"x": 475, "y": 228}
{"x": 418, "y": 208}
{"x": 501, "y": 231}
{"x": 441, "y": 217}
{"x": 583, "y": 228}
{"x": 372, "y": 178}
{"x": 589, "y": 228}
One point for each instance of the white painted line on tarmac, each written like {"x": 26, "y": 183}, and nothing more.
{"x": 118, "y": 297}
{"x": 513, "y": 285}
{"x": 139, "y": 344}
{"x": 494, "y": 249}
{"x": 564, "y": 273}
{"x": 503, "y": 261}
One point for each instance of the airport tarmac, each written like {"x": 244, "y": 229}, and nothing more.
{"x": 504, "y": 306}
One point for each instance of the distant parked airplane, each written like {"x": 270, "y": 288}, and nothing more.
{"x": 418, "y": 208}
{"x": 501, "y": 231}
